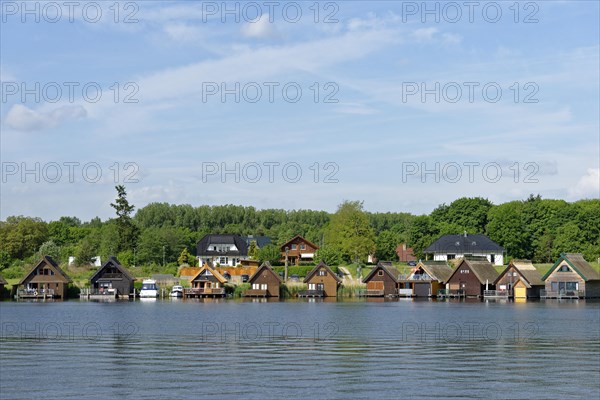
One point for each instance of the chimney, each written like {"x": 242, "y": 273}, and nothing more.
{"x": 465, "y": 233}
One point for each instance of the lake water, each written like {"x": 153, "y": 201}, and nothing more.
{"x": 231, "y": 349}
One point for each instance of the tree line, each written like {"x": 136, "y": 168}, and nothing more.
{"x": 160, "y": 236}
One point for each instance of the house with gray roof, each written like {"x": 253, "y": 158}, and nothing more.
{"x": 225, "y": 250}
{"x": 449, "y": 247}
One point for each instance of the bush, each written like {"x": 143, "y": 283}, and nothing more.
{"x": 72, "y": 292}
{"x": 14, "y": 272}
{"x": 239, "y": 289}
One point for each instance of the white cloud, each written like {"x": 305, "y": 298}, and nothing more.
{"x": 260, "y": 29}
{"x": 424, "y": 34}
{"x": 451, "y": 38}
{"x": 588, "y": 185}
{"x": 22, "y": 118}
{"x": 355, "y": 108}
{"x": 182, "y": 32}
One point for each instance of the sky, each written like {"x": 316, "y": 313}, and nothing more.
{"x": 296, "y": 105}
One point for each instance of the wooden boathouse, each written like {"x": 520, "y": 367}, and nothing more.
{"x": 571, "y": 277}
{"x": 46, "y": 280}
{"x": 382, "y": 281}
{"x": 321, "y": 281}
{"x": 207, "y": 283}
{"x": 264, "y": 282}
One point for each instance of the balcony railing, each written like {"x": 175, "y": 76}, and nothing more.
{"x": 420, "y": 277}
{"x": 35, "y": 292}
{"x": 111, "y": 276}
{"x": 562, "y": 294}
{"x": 200, "y": 291}
{"x": 371, "y": 292}
{"x": 311, "y": 293}
{"x": 451, "y": 293}
{"x": 497, "y": 293}
{"x": 255, "y": 292}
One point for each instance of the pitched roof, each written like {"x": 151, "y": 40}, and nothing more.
{"x": 188, "y": 271}
{"x": 49, "y": 261}
{"x": 462, "y": 244}
{"x": 261, "y": 241}
{"x": 578, "y": 264}
{"x": 264, "y": 266}
{"x": 481, "y": 267}
{"x": 318, "y": 267}
{"x": 438, "y": 270}
{"x": 204, "y": 244}
{"x": 298, "y": 237}
{"x": 212, "y": 271}
{"x": 112, "y": 260}
{"x": 527, "y": 271}
{"x": 387, "y": 267}
{"x": 3, "y": 281}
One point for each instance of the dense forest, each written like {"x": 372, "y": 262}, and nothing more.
{"x": 157, "y": 235}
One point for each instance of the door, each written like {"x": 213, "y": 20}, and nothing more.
{"x": 421, "y": 289}
{"x": 520, "y": 292}
{"x": 321, "y": 287}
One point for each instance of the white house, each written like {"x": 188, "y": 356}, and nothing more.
{"x": 449, "y": 247}
{"x": 224, "y": 250}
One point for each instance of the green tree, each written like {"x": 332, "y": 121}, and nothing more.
{"x": 269, "y": 253}
{"x": 470, "y": 214}
{"x": 128, "y": 232}
{"x": 386, "y": 244}
{"x": 421, "y": 234}
{"x": 86, "y": 252}
{"x": 253, "y": 250}
{"x": 328, "y": 255}
{"x": 507, "y": 228}
{"x": 350, "y": 233}
{"x": 185, "y": 257}
{"x": 21, "y": 236}
{"x": 49, "y": 248}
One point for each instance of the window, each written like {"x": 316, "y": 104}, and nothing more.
{"x": 564, "y": 268}
{"x": 380, "y": 273}
{"x": 222, "y": 260}
{"x": 255, "y": 286}
{"x": 311, "y": 286}
{"x": 464, "y": 271}
{"x": 263, "y": 286}
{"x": 302, "y": 246}
{"x": 294, "y": 247}
{"x": 493, "y": 258}
{"x": 451, "y": 256}
{"x": 322, "y": 272}
{"x": 572, "y": 286}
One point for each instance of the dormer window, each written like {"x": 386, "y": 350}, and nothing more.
{"x": 564, "y": 268}
{"x": 474, "y": 244}
{"x": 457, "y": 244}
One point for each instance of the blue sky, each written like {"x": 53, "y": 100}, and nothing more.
{"x": 372, "y": 58}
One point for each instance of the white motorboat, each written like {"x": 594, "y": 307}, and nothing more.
{"x": 149, "y": 289}
{"x": 176, "y": 291}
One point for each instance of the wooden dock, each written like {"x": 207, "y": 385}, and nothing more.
{"x": 451, "y": 294}
{"x": 28, "y": 294}
{"x": 202, "y": 293}
{"x": 311, "y": 293}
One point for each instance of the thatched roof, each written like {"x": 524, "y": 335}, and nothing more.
{"x": 578, "y": 264}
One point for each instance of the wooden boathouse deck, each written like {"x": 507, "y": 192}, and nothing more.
{"x": 201, "y": 293}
